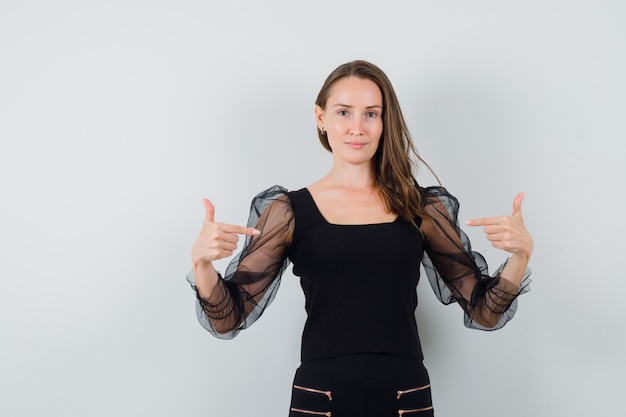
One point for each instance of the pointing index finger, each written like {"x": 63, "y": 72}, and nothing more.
{"x": 241, "y": 230}
{"x": 483, "y": 221}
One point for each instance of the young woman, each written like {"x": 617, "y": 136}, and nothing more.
{"x": 356, "y": 239}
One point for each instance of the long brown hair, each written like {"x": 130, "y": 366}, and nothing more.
{"x": 393, "y": 160}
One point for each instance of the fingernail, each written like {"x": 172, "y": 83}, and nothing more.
{"x": 256, "y": 232}
{"x": 468, "y": 222}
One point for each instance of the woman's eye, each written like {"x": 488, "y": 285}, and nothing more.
{"x": 372, "y": 114}
{"x": 342, "y": 113}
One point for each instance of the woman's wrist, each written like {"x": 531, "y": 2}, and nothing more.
{"x": 206, "y": 278}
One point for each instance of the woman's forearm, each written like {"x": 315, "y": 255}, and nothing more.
{"x": 515, "y": 268}
{"x": 206, "y": 278}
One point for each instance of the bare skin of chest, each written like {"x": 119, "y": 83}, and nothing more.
{"x": 341, "y": 206}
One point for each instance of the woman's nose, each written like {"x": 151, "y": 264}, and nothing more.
{"x": 356, "y": 128}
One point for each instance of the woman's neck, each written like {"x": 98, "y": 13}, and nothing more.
{"x": 351, "y": 176}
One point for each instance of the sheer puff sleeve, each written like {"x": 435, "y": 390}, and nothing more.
{"x": 253, "y": 276}
{"x": 458, "y": 274}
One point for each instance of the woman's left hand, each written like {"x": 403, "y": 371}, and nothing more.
{"x": 507, "y": 232}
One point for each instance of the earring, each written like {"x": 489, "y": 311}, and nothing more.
{"x": 323, "y": 131}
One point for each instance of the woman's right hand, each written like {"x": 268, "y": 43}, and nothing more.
{"x": 216, "y": 240}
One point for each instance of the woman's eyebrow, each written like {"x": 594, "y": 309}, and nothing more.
{"x": 348, "y": 106}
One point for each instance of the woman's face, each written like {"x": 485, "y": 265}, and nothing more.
{"x": 352, "y": 119}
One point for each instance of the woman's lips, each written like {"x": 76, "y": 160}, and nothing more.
{"x": 356, "y": 145}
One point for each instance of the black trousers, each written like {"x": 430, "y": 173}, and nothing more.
{"x": 362, "y": 385}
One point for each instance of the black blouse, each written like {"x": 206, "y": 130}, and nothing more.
{"x": 359, "y": 280}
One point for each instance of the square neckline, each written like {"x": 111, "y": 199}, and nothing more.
{"x": 321, "y": 215}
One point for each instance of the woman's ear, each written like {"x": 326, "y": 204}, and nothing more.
{"x": 319, "y": 118}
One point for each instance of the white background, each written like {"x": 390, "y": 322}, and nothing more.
{"x": 117, "y": 117}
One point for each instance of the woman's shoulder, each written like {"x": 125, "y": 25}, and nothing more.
{"x": 277, "y": 194}
{"x": 438, "y": 201}
{"x": 272, "y": 192}
{"x": 436, "y": 193}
